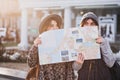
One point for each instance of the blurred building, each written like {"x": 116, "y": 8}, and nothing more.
{"x": 71, "y": 11}
{"x": 10, "y": 19}
{"x": 24, "y": 16}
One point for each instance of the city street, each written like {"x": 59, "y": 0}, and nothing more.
{"x": 13, "y": 71}
{"x": 44, "y": 38}
{"x": 3, "y": 77}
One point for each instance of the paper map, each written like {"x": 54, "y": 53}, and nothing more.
{"x": 63, "y": 45}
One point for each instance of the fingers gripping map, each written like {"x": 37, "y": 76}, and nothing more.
{"x": 64, "y": 45}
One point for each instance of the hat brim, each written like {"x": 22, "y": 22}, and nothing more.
{"x": 55, "y": 17}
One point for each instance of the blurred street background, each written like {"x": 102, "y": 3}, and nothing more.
{"x": 20, "y": 19}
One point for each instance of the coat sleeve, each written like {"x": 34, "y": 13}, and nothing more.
{"x": 32, "y": 58}
{"x": 117, "y": 56}
{"x": 107, "y": 53}
{"x": 76, "y": 66}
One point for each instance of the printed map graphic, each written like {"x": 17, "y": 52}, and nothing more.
{"x": 64, "y": 45}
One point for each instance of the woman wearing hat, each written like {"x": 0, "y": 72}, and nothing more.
{"x": 58, "y": 71}
{"x": 94, "y": 69}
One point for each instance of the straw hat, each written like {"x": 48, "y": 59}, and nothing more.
{"x": 43, "y": 25}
